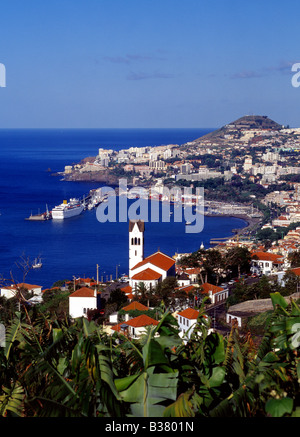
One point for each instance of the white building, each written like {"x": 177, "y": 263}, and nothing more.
{"x": 265, "y": 263}
{"x": 136, "y": 243}
{"x": 238, "y": 316}
{"x": 248, "y": 163}
{"x": 187, "y": 320}
{"x": 215, "y": 293}
{"x": 135, "y": 327}
{"x": 183, "y": 280}
{"x": 81, "y": 301}
{"x": 11, "y": 291}
{"x": 149, "y": 270}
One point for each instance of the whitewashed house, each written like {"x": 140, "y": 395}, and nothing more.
{"x": 216, "y": 294}
{"x": 186, "y": 321}
{"x": 265, "y": 263}
{"x": 11, "y": 291}
{"x": 81, "y": 301}
{"x": 183, "y": 280}
{"x": 240, "y": 317}
{"x": 135, "y": 327}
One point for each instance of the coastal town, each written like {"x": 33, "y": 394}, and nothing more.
{"x": 180, "y": 334}
{"x": 246, "y": 167}
{"x": 149, "y": 214}
{"x": 262, "y": 163}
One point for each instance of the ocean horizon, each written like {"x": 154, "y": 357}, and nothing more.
{"x": 28, "y": 160}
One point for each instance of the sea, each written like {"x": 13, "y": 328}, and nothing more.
{"x": 29, "y": 162}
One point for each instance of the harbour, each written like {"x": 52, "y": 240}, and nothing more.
{"x": 74, "y": 247}
{"x": 72, "y": 208}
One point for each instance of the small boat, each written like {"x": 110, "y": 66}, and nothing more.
{"x": 37, "y": 264}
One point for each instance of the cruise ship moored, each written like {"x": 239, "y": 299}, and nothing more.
{"x": 67, "y": 209}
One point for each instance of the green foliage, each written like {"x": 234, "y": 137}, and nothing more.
{"x": 56, "y": 368}
{"x": 135, "y": 313}
{"x": 117, "y": 297}
{"x": 261, "y": 289}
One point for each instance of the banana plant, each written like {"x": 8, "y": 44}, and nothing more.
{"x": 270, "y": 384}
{"x": 155, "y": 383}
{"x": 74, "y": 374}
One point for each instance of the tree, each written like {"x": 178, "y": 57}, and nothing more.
{"x": 291, "y": 283}
{"x": 238, "y": 260}
{"x": 214, "y": 266}
{"x": 117, "y": 297}
{"x": 294, "y": 258}
{"x": 165, "y": 290}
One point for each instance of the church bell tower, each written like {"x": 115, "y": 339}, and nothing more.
{"x": 136, "y": 243}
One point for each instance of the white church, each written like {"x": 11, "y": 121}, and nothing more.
{"x": 150, "y": 270}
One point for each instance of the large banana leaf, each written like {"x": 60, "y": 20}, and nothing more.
{"x": 11, "y": 335}
{"x": 12, "y": 400}
{"x": 149, "y": 391}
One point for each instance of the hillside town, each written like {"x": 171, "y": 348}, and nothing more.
{"x": 176, "y": 319}
{"x": 264, "y": 155}
{"x": 241, "y": 155}
{"x": 247, "y": 169}
{"x": 179, "y": 282}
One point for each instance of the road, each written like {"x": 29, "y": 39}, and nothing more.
{"x": 216, "y": 313}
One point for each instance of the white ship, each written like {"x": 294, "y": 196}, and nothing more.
{"x": 67, "y": 209}
{"x": 37, "y": 264}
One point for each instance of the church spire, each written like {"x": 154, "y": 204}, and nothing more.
{"x": 136, "y": 243}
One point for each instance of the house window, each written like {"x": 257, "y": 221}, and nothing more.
{"x": 180, "y": 319}
{"x": 84, "y": 310}
{"x": 187, "y": 323}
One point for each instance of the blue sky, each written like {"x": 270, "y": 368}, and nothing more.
{"x": 147, "y": 63}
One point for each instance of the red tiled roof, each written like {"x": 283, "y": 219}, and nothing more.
{"x": 296, "y": 270}
{"x": 118, "y": 327}
{"x": 189, "y": 313}
{"x": 135, "y": 306}
{"x": 51, "y": 289}
{"x": 146, "y": 275}
{"x": 127, "y": 289}
{"x": 158, "y": 259}
{"x": 22, "y": 285}
{"x": 83, "y": 292}
{"x": 186, "y": 288}
{"x": 192, "y": 270}
{"x": 266, "y": 256}
{"x": 85, "y": 279}
{"x": 143, "y": 320}
{"x": 206, "y": 287}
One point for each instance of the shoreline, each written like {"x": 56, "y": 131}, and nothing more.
{"x": 251, "y": 223}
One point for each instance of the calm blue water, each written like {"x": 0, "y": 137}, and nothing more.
{"x": 77, "y": 245}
